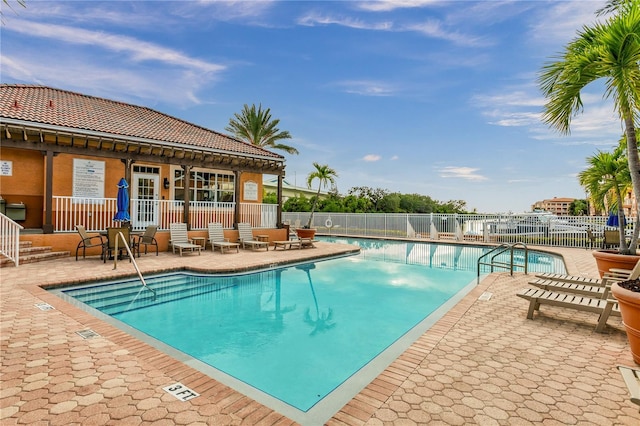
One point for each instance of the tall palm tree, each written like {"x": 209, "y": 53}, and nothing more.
{"x": 607, "y": 177}
{"x": 256, "y": 127}
{"x": 325, "y": 175}
{"x": 609, "y": 51}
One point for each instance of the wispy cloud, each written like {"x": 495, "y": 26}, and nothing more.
{"x": 388, "y": 5}
{"x": 313, "y": 19}
{"x": 366, "y": 88}
{"x": 467, "y": 173}
{"x": 436, "y": 29}
{"x": 136, "y": 49}
{"x": 372, "y": 157}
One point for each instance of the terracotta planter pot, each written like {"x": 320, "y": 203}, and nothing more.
{"x": 607, "y": 259}
{"x": 629, "y": 303}
{"x": 306, "y": 233}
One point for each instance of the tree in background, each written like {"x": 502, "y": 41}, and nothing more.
{"x": 256, "y": 127}
{"x": 579, "y": 208}
{"x": 608, "y": 51}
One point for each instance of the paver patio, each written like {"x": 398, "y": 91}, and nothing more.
{"x": 482, "y": 363}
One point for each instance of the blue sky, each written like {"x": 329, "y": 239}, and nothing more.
{"x": 428, "y": 97}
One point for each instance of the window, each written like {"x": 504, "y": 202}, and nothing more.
{"x": 205, "y": 186}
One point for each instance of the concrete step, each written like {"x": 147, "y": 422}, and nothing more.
{"x": 30, "y": 254}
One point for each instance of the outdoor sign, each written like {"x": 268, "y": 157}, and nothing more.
{"x": 88, "y": 181}
{"x": 250, "y": 191}
{"x": 6, "y": 168}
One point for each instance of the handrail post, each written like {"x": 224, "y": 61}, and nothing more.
{"x": 133, "y": 260}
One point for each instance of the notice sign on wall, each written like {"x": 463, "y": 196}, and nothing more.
{"x": 250, "y": 191}
{"x": 88, "y": 180}
{"x": 6, "y": 168}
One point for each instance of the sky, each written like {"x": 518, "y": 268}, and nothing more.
{"x": 412, "y": 96}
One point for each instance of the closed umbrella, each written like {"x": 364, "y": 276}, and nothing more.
{"x": 122, "y": 214}
{"x": 613, "y": 220}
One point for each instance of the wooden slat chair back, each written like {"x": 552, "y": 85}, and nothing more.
{"x": 180, "y": 239}
{"x": 217, "y": 239}
{"x": 246, "y": 238}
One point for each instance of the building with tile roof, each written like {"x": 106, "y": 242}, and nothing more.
{"x": 59, "y": 146}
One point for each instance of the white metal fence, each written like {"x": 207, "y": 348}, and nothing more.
{"x": 96, "y": 214}
{"x": 532, "y": 229}
{"x": 10, "y": 239}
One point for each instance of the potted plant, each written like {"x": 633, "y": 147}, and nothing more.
{"x": 586, "y": 59}
{"x": 628, "y": 295}
{"x": 325, "y": 175}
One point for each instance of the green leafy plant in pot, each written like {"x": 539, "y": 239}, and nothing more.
{"x": 628, "y": 295}
{"x": 325, "y": 175}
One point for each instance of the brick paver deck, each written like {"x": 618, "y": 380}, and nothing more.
{"x": 482, "y": 363}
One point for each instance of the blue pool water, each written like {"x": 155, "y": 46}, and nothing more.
{"x": 298, "y": 332}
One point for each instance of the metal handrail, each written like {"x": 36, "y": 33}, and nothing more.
{"x": 511, "y": 265}
{"x": 133, "y": 260}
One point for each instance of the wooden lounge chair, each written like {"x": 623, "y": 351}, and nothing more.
{"x": 631, "y": 378}
{"x": 180, "y": 239}
{"x": 217, "y": 239}
{"x": 246, "y": 238}
{"x": 569, "y": 287}
{"x": 610, "y": 276}
{"x": 288, "y": 244}
{"x": 603, "y": 306}
{"x": 87, "y": 241}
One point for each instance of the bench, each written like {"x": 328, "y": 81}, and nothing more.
{"x": 299, "y": 244}
{"x": 631, "y": 378}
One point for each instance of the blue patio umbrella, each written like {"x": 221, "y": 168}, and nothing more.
{"x": 614, "y": 221}
{"x": 122, "y": 214}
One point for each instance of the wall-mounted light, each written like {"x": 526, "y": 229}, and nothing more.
{"x": 166, "y": 183}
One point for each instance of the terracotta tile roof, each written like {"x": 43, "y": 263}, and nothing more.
{"x": 46, "y": 105}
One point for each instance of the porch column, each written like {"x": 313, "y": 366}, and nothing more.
{"x": 279, "y": 195}
{"x": 187, "y": 193}
{"x": 128, "y": 162}
{"x": 236, "y": 189}
{"x": 47, "y": 226}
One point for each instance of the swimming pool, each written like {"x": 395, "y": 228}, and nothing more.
{"x": 295, "y": 334}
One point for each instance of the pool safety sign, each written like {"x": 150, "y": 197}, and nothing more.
{"x": 181, "y": 392}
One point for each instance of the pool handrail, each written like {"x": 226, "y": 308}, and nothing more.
{"x": 498, "y": 251}
{"x": 133, "y": 260}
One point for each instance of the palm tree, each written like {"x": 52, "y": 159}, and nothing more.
{"x": 609, "y": 51}
{"x": 256, "y": 127}
{"x": 325, "y": 175}
{"x": 607, "y": 177}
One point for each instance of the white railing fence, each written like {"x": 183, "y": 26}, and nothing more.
{"x": 96, "y": 214}
{"x": 10, "y": 239}
{"x": 532, "y": 229}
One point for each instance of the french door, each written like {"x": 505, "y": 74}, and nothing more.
{"x": 146, "y": 188}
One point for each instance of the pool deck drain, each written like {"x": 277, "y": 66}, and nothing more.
{"x": 483, "y": 362}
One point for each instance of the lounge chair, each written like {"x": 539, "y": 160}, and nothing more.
{"x": 180, "y": 240}
{"x": 147, "y": 239}
{"x": 603, "y": 306}
{"x": 609, "y": 276}
{"x": 217, "y": 239}
{"x": 631, "y": 378}
{"x": 246, "y": 238}
{"x": 568, "y": 287}
{"x": 87, "y": 241}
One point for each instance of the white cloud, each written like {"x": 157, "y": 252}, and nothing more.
{"x": 394, "y": 158}
{"x": 467, "y": 173}
{"x": 137, "y": 50}
{"x": 389, "y": 5}
{"x": 371, "y": 157}
{"x": 314, "y": 19}
{"x": 366, "y": 88}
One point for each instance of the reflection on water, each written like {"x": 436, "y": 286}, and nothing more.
{"x": 445, "y": 256}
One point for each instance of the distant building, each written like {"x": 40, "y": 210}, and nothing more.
{"x": 290, "y": 191}
{"x": 555, "y": 205}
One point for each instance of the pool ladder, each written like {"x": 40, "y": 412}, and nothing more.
{"x": 501, "y": 249}
{"x": 133, "y": 260}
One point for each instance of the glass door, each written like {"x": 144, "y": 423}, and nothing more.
{"x": 146, "y": 188}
